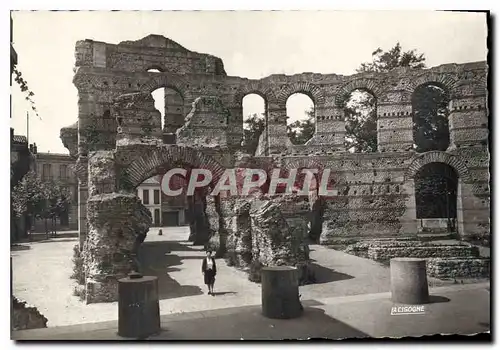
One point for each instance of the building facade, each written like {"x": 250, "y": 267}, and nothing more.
{"x": 165, "y": 210}
{"x": 150, "y": 194}
{"x": 60, "y": 168}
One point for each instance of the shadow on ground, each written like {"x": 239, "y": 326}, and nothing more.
{"x": 51, "y": 240}
{"x": 325, "y": 275}
{"x": 18, "y": 247}
{"x": 236, "y": 323}
{"x": 157, "y": 259}
{"x": 176, "y": 246}
{"x": 223, "y": 293}
{"x": 42, "y": 237}
{"x": 434, "y": 299}
{"x": 248, "y": 323}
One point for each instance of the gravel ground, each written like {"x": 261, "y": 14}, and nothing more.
{"x": 42, "y": 269}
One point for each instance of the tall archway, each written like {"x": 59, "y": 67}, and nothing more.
{"x": 159, "y": 97}
{"x": 158, "y": 160}
{"x": 301, "y": 118}
{"x": 254, "y": 121}
{"x": 360, "y": 111}
{"x": 436, "y": 189}
{"x": 430, "y": 118}
{"x": 170, "y": 103}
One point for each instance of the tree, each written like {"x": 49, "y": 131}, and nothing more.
{"x": 360, "y": 106}
{"x": 28, "y": 197}
{"x": 40, "y": 200}
{"x": 253, "y": 127}
{"x": 361, "y": 123}
{"x": 58, "y": 200}
{"x": 300, "y": 131}
{"x": 394, "y": 58}
{"x": 430, "y": 119}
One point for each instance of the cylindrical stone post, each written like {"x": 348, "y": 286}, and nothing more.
{"x": 280, "y": 292}
{"x": 409, "y": 281}
{"x": 138, "y": 306}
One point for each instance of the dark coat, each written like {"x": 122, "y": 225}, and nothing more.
{"x": 204, "y": 265}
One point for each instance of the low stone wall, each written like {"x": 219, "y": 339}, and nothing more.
{"x": 26, "y": 317}
{"x": 385, "y": 253}
{"x": 443, "y": 260}
{"x": 361, "y": 248}
{"x": 458, "y": 268}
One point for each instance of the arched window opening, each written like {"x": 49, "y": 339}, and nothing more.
{"x": 436, "y": 186}
{"x": 254, "y": 121}
{"x": 430, "y": 118}
{"x": 301, "y": 122}
{"x": 360, "y": 111}
{"x": 159, "y": 97}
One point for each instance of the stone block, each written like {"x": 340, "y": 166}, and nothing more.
{"x": 138, "y": 307}
{"x": 280, "y": 292}
{"x": 409, "y": 281}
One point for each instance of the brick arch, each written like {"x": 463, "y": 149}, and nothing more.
{"x": 149, "y": 164}
{"x": 447, "y": 82}
{"x": 371, "y": 85}
{"x": 301, "y": 163}
{"x": 162, "y": 80}
{"x": 314, "y": 92}
{"x": 438, "y": 157}
{"x": 260, "y": 89}
{"x": 156, "y": 66}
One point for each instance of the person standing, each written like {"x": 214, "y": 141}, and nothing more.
{"x": 209, "y": 270}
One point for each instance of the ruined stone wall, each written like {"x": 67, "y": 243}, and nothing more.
{"x": 375, "y": 191}
{"x": 101, "y": 76}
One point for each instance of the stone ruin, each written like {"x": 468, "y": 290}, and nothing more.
{"x": 119, "y": 141}
{"x": 25, "y": 316}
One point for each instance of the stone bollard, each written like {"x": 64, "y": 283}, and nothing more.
{"x": 280, "y": 292}
{"x": 409, "y": 281}
{"x": 138, "y": 306}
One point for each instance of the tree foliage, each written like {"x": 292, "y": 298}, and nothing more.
{"x": 253, "y": 127}
{"x": 384, "y": 61}
{"x": 40, "y": 199}
{"x": 28, "y": 195}
{"x": 300, "y": 131}
{"x": 430, "y": 119}
{"x": 361, "y": 123}
{"x": 23, "y": 85}
{"x": 360, "y": 106}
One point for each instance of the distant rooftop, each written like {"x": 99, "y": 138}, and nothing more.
{"x": 48, "y": 155}
{"x": 20, "y": 139}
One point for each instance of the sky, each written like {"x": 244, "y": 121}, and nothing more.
{"x": 251, "y": 44}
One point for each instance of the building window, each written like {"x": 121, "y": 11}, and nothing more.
{"x": 63, "y": 172}
{"x": 157, "y": 197}
{"x": 47, "y": 172}
{"x": 145, "y": 196}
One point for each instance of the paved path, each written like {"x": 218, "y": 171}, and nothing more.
{"x": 458, "y": 309}
{"x": 41, "y": 272}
